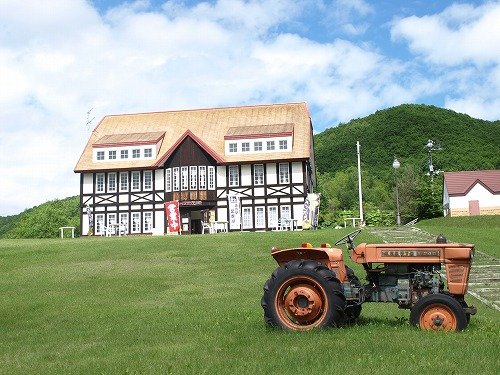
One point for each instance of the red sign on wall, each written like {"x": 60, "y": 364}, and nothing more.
{"x": 173, "y": 216}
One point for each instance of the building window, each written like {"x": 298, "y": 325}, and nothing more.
{"x": 285, "y": 212}
{"x": 283, "y": 144}
{"x": 124, "y": 221}
{"x": 234, "y": 175}
{"x": 233, "y": 147}
{"x": 124, "y": 154}
{"x": 260, "y": 219}
{"x": 175, "y": 178}
{"x": 136, "y": 222}
{"x": 111, "y": 155}
{"x": 111, "y": 182}
{"x": 148, "y": 180}
{"x": 258, "y": 174}
{"x": 99, "y": 185}
{"x": 148, "y": 152}
{"x": 202, "y": 177}
{"x": 193, "y": 177}
{"x": 211, "y": 178}
{"x": 100, "y": 155}
{"x": 272, "y": 217}
{"x": 284, "y": 173}
{"x": 257, "y": 146}
{"x": 123, "y": 181}
{"x": 148, "y": 222}
{"x": 270, "y": 146}
{"x": 245, "y": 146}
{"x": 246, "y": 213}
{"x": 168, "y": 179}
{"x": 136, "y": 180}
{"x": 184, "y": 178}
{"x": 136, "y": 153}
{"x": 99, "y": 224}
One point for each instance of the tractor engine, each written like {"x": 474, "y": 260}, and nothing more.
{"x": 403, "y": 284}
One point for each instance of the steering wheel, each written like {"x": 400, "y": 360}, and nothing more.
{"x": 348, "y": 239}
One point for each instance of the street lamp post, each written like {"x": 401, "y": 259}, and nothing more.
{"x": 396, "y": 164}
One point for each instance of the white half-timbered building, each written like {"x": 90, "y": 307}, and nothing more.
{"x": 134, "y": 163}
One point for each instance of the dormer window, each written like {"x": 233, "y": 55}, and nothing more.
{"x": 270, "y": 146}
{"x": 124, "y": 154}
{"x": 112, "y": 155}
{"x": 148, "y": 152}
{"x": 283, "y": 144}
{"x": 100, "y": 155}
{"x": 259, "y": 139}
{"x": 136, "y": 153}
{"x": 245, "y": 146}
{"x": 233, "y": 147}
{"x": 123, "y": 147}
{"x": 257, "y": 146}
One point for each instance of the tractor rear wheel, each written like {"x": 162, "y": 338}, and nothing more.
{"x": 303, "y": 294}
{"x": 438, "y": 312}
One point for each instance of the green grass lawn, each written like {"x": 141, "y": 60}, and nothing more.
{"x": 191, "y": 305}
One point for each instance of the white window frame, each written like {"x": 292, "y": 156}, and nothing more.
{"x": 168, "y": 179}
{"x": 193, "y": 177}
{"x": 211, "y": 178}
{"x": 112, "y": 182}
{"x": 202, "y": 177}
{"x": 184, "y": 178}
{"x": 136, "y": 222}
{"x": 100, "y": 155}
{"x": 112, "y": 154}
{"x": 124, "y": 154}
{"x": 258, "y": 174}
{"x": 136, "y": 181}
{"x": 99, "y": 183}
{"x": 147, "y": 222}
{"x": 260, "y": 217}
{"x": 99, "y": 224}
{"x": 272, "y": 216}
{"x": 175, "y": 179}
{"x": 136, "y": 153}
{"x": 147, "y": 177}
{"x": 270, "y": 145}
{"x": 123, "y": 181}
{"x": 283, "y": 144}
{"x": 124, "y": 220}
{"x": 233, "y": 147}
{"x": 284, "y": 173}
{"x": 285, "y": 212}
{"x": 234, "y": 175}
{"x": 257, "y": 146}
{"x": 245, "y": 146}
{"x": 148, "y": 152}
{"x": 246, "y": 217}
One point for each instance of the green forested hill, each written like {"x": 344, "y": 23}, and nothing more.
{"x": 467, "y": 143}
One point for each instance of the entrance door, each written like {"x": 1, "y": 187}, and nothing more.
{"x": 474, "y": 208}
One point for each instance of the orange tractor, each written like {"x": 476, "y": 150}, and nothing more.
{"x": 312, "y": 287}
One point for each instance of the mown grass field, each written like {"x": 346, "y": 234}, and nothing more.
{"x": 191, "y": 305}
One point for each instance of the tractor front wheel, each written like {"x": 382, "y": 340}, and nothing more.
{"x": 438, "y": 312}
{"x": 303, "y": 294}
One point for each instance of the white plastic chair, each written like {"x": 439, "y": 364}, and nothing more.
{"x": 206, "y": 226}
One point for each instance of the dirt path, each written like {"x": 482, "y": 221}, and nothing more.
{"x": 484, "y": 280}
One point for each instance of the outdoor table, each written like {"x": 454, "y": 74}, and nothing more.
{"x": 72, "y": 231}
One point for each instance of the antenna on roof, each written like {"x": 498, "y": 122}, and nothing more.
{"x": 89, "y": 120}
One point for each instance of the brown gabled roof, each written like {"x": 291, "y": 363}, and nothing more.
{"x": 259, "y": 131}
{"x": 129, "y": 139}
{"x": 208, "y": 126}
{"x": 460, "y": 183}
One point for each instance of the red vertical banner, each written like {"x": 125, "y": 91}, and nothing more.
{"x": 173, "y": 216}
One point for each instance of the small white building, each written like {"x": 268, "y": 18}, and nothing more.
{"x": 471, "y": 193}
{"x": 134, "y": 163}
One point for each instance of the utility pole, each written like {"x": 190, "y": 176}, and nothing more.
{"x": 361, "y": 218}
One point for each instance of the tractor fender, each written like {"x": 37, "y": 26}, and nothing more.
{"x": 329, "y": 257}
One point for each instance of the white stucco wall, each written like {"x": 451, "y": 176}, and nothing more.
{"x": 478, "y": 192}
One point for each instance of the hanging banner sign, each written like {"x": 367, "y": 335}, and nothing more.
{"x": 234, "y": 211}
{"x": 311, "y": 211}
{"x": 173, "y": 216}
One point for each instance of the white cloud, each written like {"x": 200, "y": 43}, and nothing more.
{"x": 61, "y": 58}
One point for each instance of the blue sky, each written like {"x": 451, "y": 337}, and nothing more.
{"x": 345, "y": 58}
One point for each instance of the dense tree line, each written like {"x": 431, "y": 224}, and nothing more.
{"x": 402, "y": 132}
{"x": 42, "y": 221}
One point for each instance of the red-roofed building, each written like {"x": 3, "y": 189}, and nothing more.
{"x": 471, "y": 193}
